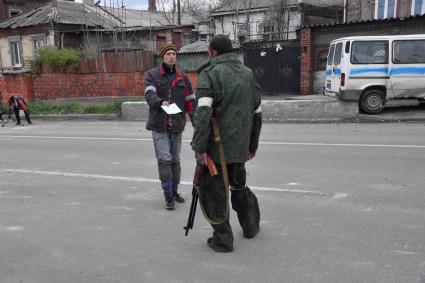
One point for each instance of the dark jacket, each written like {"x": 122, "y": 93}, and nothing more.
{"x": 17, "y": 101}
{"x": 229, "y": 89}
{"x": 162, "y": 84}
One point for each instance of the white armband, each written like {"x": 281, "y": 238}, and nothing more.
{"x": 205, "y": 101}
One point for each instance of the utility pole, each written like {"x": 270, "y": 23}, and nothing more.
{"x": 179, "y": 16}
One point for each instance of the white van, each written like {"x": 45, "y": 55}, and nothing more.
{"x": 374, "y": 69}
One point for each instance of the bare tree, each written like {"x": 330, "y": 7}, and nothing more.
{"x": 241, "y": 17}
{"x": 168, "y": 8}
{"x": 198, "y": 8}
{"x": 277, "y": 19}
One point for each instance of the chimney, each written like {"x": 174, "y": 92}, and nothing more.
{"x": 152, "y": 6}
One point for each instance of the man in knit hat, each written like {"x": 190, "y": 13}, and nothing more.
{"x": 166, "y": 85}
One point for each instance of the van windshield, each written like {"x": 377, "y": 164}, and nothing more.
{"x": 369, "y": 52}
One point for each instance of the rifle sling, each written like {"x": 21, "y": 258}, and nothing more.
{"x": 223, "y": 163}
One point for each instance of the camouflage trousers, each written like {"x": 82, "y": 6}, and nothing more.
{"x": 213, "y": 200}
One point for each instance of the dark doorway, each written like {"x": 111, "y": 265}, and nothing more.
{"x": 276, "y": 70}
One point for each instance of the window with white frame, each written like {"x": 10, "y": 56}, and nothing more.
{"x": 15, "y": 51}
{"x": 385, "y": 9}
{"x": 38, "y": 43}
{"x": 418, "y": 7}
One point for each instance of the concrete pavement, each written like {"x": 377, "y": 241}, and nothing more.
{"x": 340, "y": 202}
{"x": 311, "y": 108}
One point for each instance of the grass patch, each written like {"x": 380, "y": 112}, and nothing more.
{"x": 41, "y": 107}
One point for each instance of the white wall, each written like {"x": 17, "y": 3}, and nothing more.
{"x": 226, "y": 26}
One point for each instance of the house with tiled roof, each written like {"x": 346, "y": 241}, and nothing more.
{"x": 68, "y": 24}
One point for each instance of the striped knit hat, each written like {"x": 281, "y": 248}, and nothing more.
{"x": 166, "y": 47}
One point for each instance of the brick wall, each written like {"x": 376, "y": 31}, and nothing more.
{"x": 64, "y": 86}
{"x": 20, "y": 83}
{"x": 58, "y": 86}
{"x": 3, "y": 98}
{"x": 306, "y": 42}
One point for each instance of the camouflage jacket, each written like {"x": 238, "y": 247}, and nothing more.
{"x": 228, "y": 90}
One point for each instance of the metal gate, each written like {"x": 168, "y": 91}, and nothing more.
{"x": 277, "y": 70}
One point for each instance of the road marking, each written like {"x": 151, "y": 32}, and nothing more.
{"x": 188, "y": 141}
{"x": 406, "y": 252}
{"x": 146, "y": 180}
{"x": 345, "y": 144}
{"x": 4, "y": 228}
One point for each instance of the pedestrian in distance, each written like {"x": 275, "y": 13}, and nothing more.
{"x": 227, "y": 128}
{"x": 1, "y": 109}
{"x": 16, "y": 103}
{"x": 166, "y": 85}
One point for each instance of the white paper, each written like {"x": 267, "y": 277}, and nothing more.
{"x": 171, "y": 109}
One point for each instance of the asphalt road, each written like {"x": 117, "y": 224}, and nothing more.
{"x": 80, "y": 202}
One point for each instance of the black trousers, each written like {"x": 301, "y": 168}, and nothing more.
{"x": 18, "y": 118}
{"x": 213, "y": 200}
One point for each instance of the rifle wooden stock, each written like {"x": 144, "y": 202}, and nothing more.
{"x": 212, "y": 169}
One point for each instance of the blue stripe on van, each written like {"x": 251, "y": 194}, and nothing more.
{"x": 407, "y": 70}
{"x": 329, "y": 72}
{"x": 359, "y": 71}
{"x": 337, "y": 71}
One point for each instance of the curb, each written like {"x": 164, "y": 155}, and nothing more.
{"x": 80, "y": 117}
{"x": 305, "y": 110}
{"x": 380, "y": 119}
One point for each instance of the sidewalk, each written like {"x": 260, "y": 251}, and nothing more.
{"x": 284, "y": 109}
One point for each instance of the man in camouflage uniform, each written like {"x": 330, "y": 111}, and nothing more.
{"x": 227, "y": 91}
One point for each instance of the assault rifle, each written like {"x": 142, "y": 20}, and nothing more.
{"x": 197, "y": 181}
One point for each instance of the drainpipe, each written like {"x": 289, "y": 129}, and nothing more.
{"x": 1, "y": 64}
{"x": 344, "y": 20}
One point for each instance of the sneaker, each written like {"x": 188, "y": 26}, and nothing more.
{"x": 170, "y": 205}
{"x": 178, "y": 198}
{"x": 218, "y": 248}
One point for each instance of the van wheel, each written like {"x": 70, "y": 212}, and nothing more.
{"x": 372, "y": 101}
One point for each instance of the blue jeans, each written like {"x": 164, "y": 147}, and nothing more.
{"x": 167, "y": 150}
{"x": 167, "y": 146}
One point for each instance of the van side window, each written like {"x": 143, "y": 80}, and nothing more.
{"x": 338, "y": 52}
{"x": 331, "y": 54}
{"x": 369, "y": 52}
{"x": 408, "y": 51}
